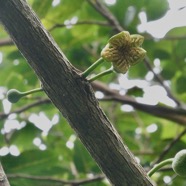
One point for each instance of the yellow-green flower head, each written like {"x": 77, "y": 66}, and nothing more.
{"x": 124, "y": 50}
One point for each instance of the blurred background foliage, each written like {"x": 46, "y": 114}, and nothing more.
{"x": 37, "y": 146}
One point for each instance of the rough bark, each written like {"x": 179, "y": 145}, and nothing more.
{"x": 71, "y": 94}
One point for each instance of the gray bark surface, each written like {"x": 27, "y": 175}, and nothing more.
{"x": 71, "y": 94}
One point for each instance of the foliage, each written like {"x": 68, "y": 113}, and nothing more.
{"x": 38, "y": 141}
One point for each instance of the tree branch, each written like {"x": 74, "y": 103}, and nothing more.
{"x": 172, "y": 114}
{"x": 103, "y": 10}
{"x": 160, "y": 80}
{"x": 71, "y": 94}
{"x": 26, "y": 107}
{"x": 101, "y": 23}
{"x": 168, "y": 147}
{"x": 6, "y": 42}
{"x": 163, "y": 112}
{"x": 57, "y": 180}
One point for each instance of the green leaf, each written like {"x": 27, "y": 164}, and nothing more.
{"x": 30, "y": 162}
{"x": 24, "y": 137}
{"x": 41, "y": 7}
{"x": 156, "y": 9}
{"x": 180, "y": 85}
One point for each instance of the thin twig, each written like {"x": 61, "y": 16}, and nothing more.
{"x": 24, "y": 108}
{"x": 160, "y": 80}
{"x": 176, "y": 115}
{"x": 168, "y": 147}
{"x": 101, "y": 23}
{"x": 103, "y": 10}
{"x": 6, "y": 42}
{"x": 62, "y": 181}
{"x": 172, "y": 114}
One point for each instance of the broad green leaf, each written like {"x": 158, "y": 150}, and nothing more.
{"x": 41, "y": 7}
{"x": 24, "y": 137}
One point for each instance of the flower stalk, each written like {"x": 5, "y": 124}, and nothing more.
{"x": 14, "y": 95}
{"x": 92, "y": 67}
{"x": 160, "y": 165}
{"x": 106, "y": 72}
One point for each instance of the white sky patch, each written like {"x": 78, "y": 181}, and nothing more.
{"x": 99, "y": 94}
{"x": 4, "y": 151}
{"x": 157, "y": 67}
{"x": 114, "y": 86}
{"x": 127, "y": 108}
{"x": 110, "y": 2}
{"x": 152, "y": 94}
{"x": 70, "y": 142}
{"x": 167, "y": 83}
{"x": 70, "y": 22}
{"x": 41, "y": 121}
{"x": 143, "y": 18}
{"x": 155, "y": 94}
{"x": 12, "y": 116}
{"x": 167, "y": 179}
{"x": 42, "y": 147}
{"x": 37, "y": 141}
{"x": 152, "y": 128}
{"x": 1, "y": 57}
{"x": 129, "y": 15}
{"x": 55, "y": 2}
{"x": 122, "y": 92}
{"x": 55, "y": 119}
{"x": 2, "y": 92}
{"x": 6, "y": 106}
{"x": 74, "y": 20}
{"x": 127, "y": 84}
{"x": 172, "y": 19}
{"x": 10, "y": 125}
{"x": 138, "y": 130}
{"x": 14, "y": 150}
{"x": 148, "y": 101}
{"x": 149, "y": 76}
{"x": 176, "y": 4}
{"x": 157, "y": 62}
{"x": 22, "y": 125}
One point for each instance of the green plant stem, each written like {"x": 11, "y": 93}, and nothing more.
{"x": 31, "y": 91}
{"x": 158, "y": 166}
{"x": 92, "y": 67}
{"x": 109, "y": 71}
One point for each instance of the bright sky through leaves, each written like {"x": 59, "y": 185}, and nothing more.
{"x": 175, "y": 17}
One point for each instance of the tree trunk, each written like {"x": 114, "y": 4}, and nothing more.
{"x": 71, "y": 94}
{"x": 3, "y": 178}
